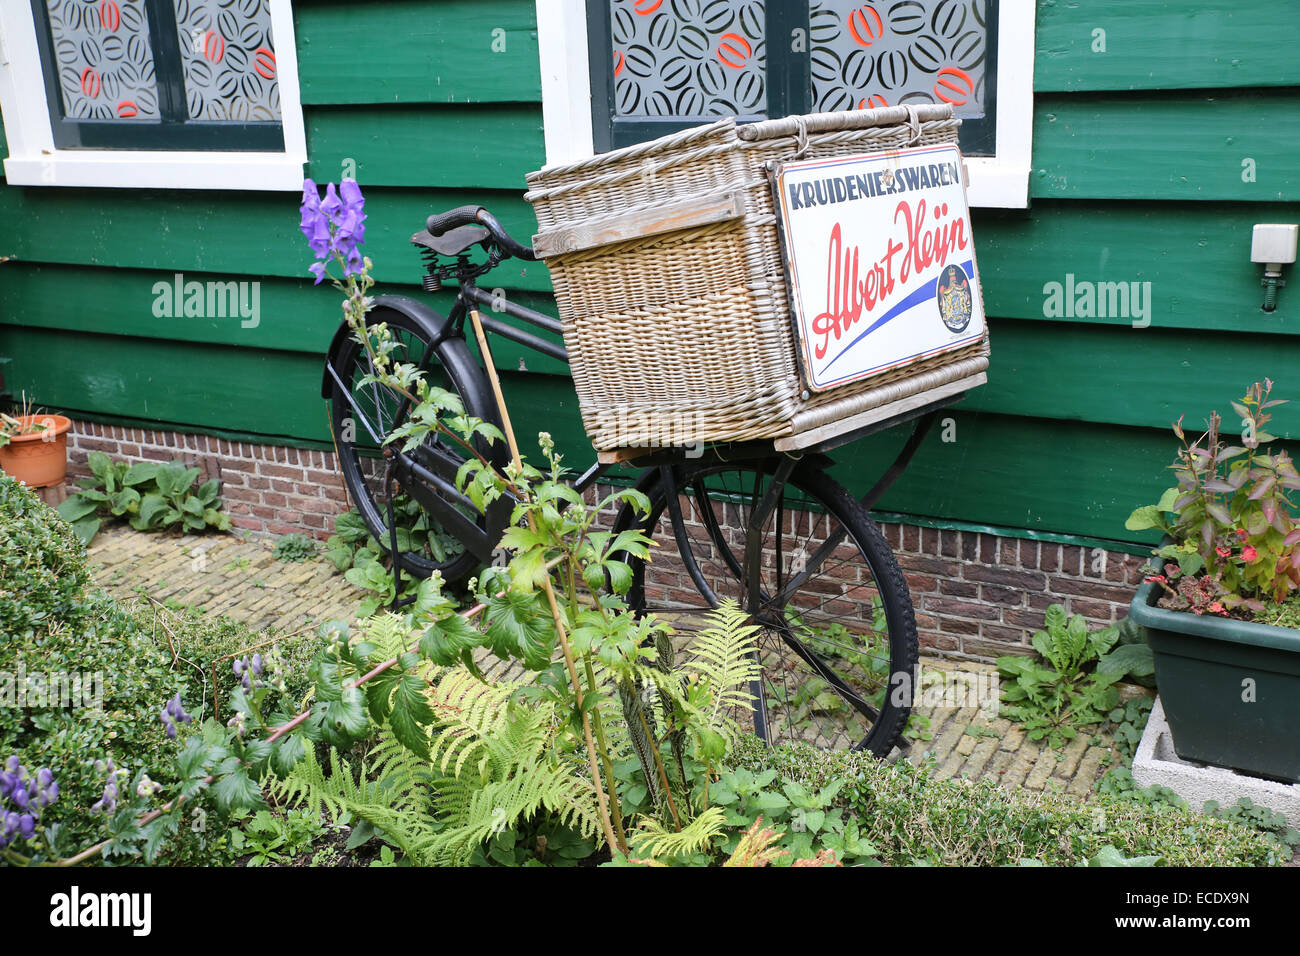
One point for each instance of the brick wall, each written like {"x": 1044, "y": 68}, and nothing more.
{"x": 266, "y": 488}
{"x": 979, "y": 595}
{"x": 976, "y": 595}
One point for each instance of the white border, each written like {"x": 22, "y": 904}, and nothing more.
{"x": 34, "y": 161}
{"x": 997, "y": 181}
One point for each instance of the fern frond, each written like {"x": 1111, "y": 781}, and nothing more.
{"x": 725, "y": 654}
{"x": 481, "y": 812}
{"x": 388, "y": 632}
{"x": 653, "y": 840}
{"x": 342, "y": 792}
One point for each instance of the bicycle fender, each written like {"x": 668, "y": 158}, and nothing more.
{"x": 434, "y": 323}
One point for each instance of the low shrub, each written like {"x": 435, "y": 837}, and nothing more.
{"x": 911, "y": 816}
{"x": 84, "y": 679}
{"x": 42, "y": 565}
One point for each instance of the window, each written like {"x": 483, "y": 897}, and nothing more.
{"x": 655, "y": 66}
{"x": 162, "y": 93}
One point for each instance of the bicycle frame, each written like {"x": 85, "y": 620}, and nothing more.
{"x": 428, "y": 473}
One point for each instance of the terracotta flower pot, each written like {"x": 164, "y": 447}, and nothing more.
{"x": 38, "y": 458}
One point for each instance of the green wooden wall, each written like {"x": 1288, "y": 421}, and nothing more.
{"x": 1140, "y": 152}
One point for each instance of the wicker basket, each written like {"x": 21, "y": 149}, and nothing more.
{"x": 666, "y": 264}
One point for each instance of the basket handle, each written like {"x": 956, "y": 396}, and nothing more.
{"x": 641, "y": 223}
{"x": 842, "y": 120}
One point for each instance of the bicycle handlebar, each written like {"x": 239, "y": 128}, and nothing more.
{"x": 440, "y": 223}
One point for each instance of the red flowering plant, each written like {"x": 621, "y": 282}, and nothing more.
{"x": 1233, "y": 541}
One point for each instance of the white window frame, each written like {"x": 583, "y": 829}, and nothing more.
{"x": 35, "y": 161}
{"x": 1000, "y": 181}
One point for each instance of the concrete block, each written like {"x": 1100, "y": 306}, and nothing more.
{"x": 1155, "y": 763}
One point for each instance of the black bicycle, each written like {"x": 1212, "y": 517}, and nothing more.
{"x": 772, "y": 531}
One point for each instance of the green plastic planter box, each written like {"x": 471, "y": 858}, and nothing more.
{"x": 1207, "y": 671}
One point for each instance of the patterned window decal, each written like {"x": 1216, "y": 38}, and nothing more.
{"x": 229, "y": 60}
{"x": 898, "y": 52}
{"x": 104, "y": 61}
{"x": 689, "y": 58}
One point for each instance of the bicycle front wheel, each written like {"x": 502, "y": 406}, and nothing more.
{"x": 365, "y": 414}
{"x": 838, "y": 643}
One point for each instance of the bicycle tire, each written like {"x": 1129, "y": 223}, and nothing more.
{"x": 453, "y": 366}
{"x": 862, "y": 536}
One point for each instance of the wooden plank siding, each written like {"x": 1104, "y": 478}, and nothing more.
{"x": 1163, "y": 45}
{"x": 1137, "y": 177}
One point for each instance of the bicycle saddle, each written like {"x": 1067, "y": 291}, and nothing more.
{"x": 452, "y": 242}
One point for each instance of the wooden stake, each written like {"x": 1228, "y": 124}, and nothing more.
{"x": 556, "y": 616}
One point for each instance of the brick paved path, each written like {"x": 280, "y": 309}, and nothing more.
{"x": 222, "y": 574}
{"x": 240, "y": 578}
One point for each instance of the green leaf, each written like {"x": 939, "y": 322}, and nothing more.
{"x": 1148, "y": 516}
{"x": 1128, "y": 659}
{"x": 444, "y": 642}
{"x": 86, "y": 529}
{"x": 140, "y": 472}
{"x": 156, "y": 832}
{"x": 1109, "y": 856}
{"x": 152, "y": 509}
{"x": 76, "y": 507}
{"x": 411, "y": 714}
{"x": 343, "y": 721}
{"x": 288, "y": 751}
{"x": 124, "y": 501}
{"x": 100, "y": 465}
{"x": 520, "y": 628}
{"x": 236, "y": 790}
{"x": 208, "y": 491}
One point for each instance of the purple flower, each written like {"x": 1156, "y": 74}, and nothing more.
{"x": 334, "y": 226}
{"x": 47, "y": 788}
{"x": 351, "y": 194}
{"x": 8, "y": 828}
{"x": 310, "y": 196}
{"x": 27, "y": 826}
{"x": 108, "y": 802}
{"x": 331, "y": 205}
{"x": 173, "y": 711}
{"x": 356, "y": 263}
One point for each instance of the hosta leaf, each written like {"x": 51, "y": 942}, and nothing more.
{"x": 86, "y": 529}
{"x": 100, "y": 465}
{"x": 140, "y": 472}
{"x": 76, "y": 507}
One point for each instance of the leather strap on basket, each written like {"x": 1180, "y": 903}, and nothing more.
{"x": 914, "y": 123}
{"x": 800, "y": 137}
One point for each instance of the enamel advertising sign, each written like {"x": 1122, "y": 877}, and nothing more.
{"x": 880, "y": 261}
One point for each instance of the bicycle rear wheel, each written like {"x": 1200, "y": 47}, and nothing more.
{"x": 838, "y": 643}
{"x": 367, "y": 414}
